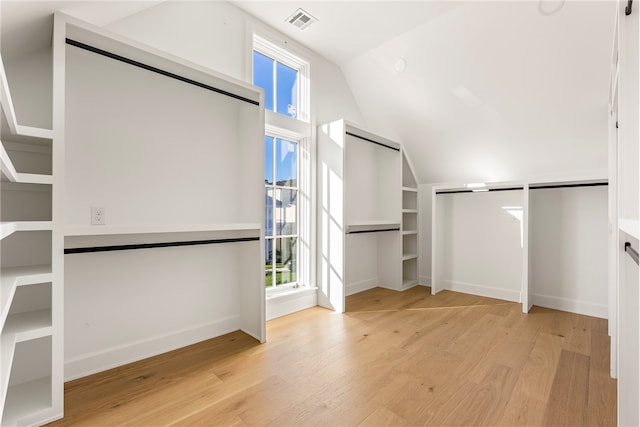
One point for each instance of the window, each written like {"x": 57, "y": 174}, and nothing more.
{"x": 283, "y": 77}
{"x": 281, "y": 211}
{"x": 289, "y": 171}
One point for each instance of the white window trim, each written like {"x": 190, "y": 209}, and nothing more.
{"x": 285, "y": 56}
{"x": 303, "y": 132}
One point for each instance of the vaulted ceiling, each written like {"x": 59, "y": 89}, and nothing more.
{"x": 475, "y": 90}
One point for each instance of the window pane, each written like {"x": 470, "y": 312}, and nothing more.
{"x": 268, "y": 262}
{"x": 286, "y": 260}
{"x": 263, "y": 77}
{"x": 268, "y": 160}
{"x": 286, "y": 163}
{"x": 268, "y": 212}
{"x": 287, "y": 84}
{"x": 286, "y": 214}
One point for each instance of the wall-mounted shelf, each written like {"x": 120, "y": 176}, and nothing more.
{"x": 12, "y": 277}
{"x": 106, "y": 230}
{"x": 9, "y": 171}
{"x": 18, "y": 328}
{"x": 410, "y": 189}
{"x": 8, "y": 228}
{"x": 629, "y": 226}
{"x": 407, "y": 283}
{"x": 27, "y": 399}
{"x": 406, "y": 257}
{"x": 410, "y": 211}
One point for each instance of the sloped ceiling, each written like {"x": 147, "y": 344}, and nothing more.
{"x": 491, "y": 90}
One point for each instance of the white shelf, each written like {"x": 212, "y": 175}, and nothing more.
{"x": 409, "y": 282}
{"x": 410, "y": 211}
{"x": 10, "y": 113}
{"x": 361, "y": 227}
{"x": 11, "y": 278}
{"x": 410, "y": 189}
{"x": 28, "y": 325}
{"x": 26, "y": 400}
{"x": 9, "y": 171}
{"x": 105, "y": 230}
{"x": 20, "y": 327}
{"x": 406, "y": 257}
{"x": 409, "y": 232}
{"x": 630, "y": 226}
{"x": 8, "y": 228}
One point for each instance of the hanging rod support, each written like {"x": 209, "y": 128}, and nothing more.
{"x": 632, "y": 252}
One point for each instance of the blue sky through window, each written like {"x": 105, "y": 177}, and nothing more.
{"x": 263, "y": 77}
{"x": 286, "y": 84}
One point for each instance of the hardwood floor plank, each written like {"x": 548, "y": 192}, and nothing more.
{"x": 383, "y": 417}
{"x": 538, "y": 373}
{"x": 569, "y": 399}
{"x": 602, "y": 389}
{"x": 398, "y": 358}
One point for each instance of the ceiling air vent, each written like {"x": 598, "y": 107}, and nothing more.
{"x": 301, "y": 19}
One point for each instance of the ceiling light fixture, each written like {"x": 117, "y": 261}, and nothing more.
{"x": 400, "y": 65}
{"x": 301, "y": 19}
{"x": 476, "y": 185}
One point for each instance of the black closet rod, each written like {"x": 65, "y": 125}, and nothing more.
{"x": 153, "y": 69}
{"x": 373, "y": 231}
{"x": 627, "y": 10}
{"x": 480, "y": 190}
{"x": 156, "y": 245}
{"x": 632, "y": 252}
{"x": 372, "y": 141}
{"x": 584, "y": 184}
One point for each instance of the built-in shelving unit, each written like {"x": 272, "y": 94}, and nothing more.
{"x": 182, "y": 229}
{"x": 624, "y": 211}
{"x": 360, "y": 240}
{"x": 409, "y": 224}
{"x": 30, "y": 289}
{"x": 548, "y": 236}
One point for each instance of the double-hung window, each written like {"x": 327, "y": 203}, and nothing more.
{"x": 284, "y": 78}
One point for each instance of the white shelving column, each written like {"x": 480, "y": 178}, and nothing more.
{"x": 31, "y": 384}
{"x": 624, "y": 163}
{"x": 360, "y": 210}
{"x": 410, "y": 236}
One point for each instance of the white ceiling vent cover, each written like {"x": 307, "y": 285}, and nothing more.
{"x": 301, "y": 19}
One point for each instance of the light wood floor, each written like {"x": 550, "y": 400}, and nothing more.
{"x": 394, "y": 359}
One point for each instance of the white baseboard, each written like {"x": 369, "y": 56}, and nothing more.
{"x": 424, "y": 280}
{"x": 286, "y": 304}
{"x": 571, "y": 305}
{"x": 482, "y": 290}
{"x": 354, "y": 288}
{"x": 92, "y": 363}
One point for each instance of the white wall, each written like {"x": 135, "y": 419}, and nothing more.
{"x": 568, "y": 249}
{"x": 217, "y": 35}
{"x": 480, "y": 246}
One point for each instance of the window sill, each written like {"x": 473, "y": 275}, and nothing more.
{"x": 291, "y": 293}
